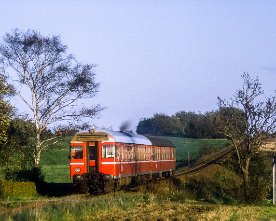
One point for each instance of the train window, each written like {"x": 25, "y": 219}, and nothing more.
{"x": 108, "y": 151}
{"x": 117, "y": 154}
{"x": 140, "y": 152}
{"x": 128, "y": 153}
{"x": 173, "y": 154}
{"x": 76, "y": 152}
{"x": 133, "y": 153}
{"x": 122, "y": 151}
{"x": 149, "y": 154}
{"x": 144, "y": 156}
{"x": 146, "y": 153}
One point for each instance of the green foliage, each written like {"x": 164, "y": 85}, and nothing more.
{"x": 5, "y": 109}
{"x": 11, "y": 189}
{"x": 215, "y": 184}
{"x": 54, "y": 78}
{"x": 224, "y": 183}
{"x": 35, "y": 175}
{"x": 17, "y": 153}
{"x": 260, "y": 177}
{"x": 198, "y": 125}
{"x": 183, "y": 124}
{"x": 247, "y": 120}
{"x": 160, "y": 125}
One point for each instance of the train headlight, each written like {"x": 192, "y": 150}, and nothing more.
{"x": 77, "y": 170}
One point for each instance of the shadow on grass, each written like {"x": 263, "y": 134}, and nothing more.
{"x": 55, "y": 189}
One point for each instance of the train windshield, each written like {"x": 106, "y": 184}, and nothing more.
{"x": 76, "y": 152}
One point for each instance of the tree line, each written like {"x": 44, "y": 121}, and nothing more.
{"x": 181, "y": 124}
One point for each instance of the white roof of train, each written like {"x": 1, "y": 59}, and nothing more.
{"x": 113, "y": 136}
{"x": 131, "y": 138}
{"x": 120, "y": 137}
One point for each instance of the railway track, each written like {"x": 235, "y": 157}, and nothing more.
{"x": 204, "y": 164}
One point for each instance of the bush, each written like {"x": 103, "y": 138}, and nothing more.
{"x": 215, "y": 184}
{"x": 260, "y": 177}
{"x": 17, "y": 189}
{"x": 33, "y": 175}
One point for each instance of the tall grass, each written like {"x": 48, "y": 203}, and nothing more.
{"x": 134, "y": 206}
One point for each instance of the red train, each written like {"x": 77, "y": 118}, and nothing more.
{"x": 103, "y": 160}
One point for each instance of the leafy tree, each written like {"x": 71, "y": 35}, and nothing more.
{"x": 17, "y": 152}
{"x": 5, "y": 109}
{"x": 184, "y": 124}
{"x": 56, "y": 82}
{"x": 197, "y": 125}
{"x": 247, "y": 121}
{"x": 160, "y": 125}
{"x": 166, "y": 125}
{"x": 145, "y": 126}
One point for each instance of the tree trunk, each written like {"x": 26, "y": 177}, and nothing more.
{"x": 37, "y": 158}
{"x": 37, "y": 151}
{"x": 245, "y": 172}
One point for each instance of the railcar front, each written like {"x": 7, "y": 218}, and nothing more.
{"x": 91, "y": 161}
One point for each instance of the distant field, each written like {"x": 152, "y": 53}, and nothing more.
{"x": 193, "y": 147}
{"x": 55, "y": 162}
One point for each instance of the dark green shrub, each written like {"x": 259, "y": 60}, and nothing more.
{"x": 17, "y": 189}
{"x": 34, "y": 175}
{"x": 215, "y": 184}
{"x": 260, "y": 177}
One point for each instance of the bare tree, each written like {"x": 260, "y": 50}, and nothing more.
{"x": 247, "y": 121}
{"x": 56, "y": 81}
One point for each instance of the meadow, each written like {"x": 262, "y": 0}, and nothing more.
{"x": 168, "y": 200}
{"x": 166, "y": 204}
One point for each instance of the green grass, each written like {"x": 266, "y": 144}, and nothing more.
{"x": 132, "y": 206}
{"x": 193, "y": 147}
{"x": 56, "y": 173}
{"x": 55, "y": 162}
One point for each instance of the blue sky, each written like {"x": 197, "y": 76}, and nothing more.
{"x": 158, "y": 56}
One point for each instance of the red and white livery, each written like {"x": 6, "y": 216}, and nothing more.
{"x": 101, "y": 160}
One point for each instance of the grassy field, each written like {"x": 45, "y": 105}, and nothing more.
{"x": 193, "y": 147}
{"x": 168, "y": 200}
{"x": 55, "y": 162}
{"x": 131, "y": 206}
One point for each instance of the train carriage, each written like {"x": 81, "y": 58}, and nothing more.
{"x": 102, "y": 160}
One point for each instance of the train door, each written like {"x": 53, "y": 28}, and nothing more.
{"x": 92, "y": 157}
